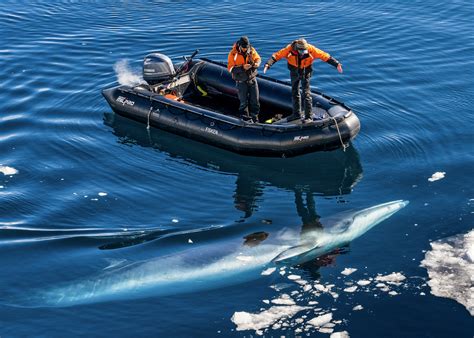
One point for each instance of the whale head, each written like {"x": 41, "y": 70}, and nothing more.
{"x": 342, "y": 230}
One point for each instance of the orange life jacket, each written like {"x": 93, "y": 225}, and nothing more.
{"x": 237, "y": 58}
{"x": 294, "y": 60}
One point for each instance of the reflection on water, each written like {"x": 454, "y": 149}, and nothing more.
{"x": 320, "y": 174}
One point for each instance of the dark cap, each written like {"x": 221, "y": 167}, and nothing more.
{"x": 244, "y": 42}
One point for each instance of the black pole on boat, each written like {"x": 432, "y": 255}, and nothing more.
{"x": 186, "y": 64}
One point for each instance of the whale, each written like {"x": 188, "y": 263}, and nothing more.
{"x": 214, "y": 265}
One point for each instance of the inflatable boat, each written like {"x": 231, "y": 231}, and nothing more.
{"x": 198, "y": 99}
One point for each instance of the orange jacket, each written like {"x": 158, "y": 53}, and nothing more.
{"x": 292, "y": 56}
{"x": 236, "y": 58}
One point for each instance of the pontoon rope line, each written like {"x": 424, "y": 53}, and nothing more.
{"x": 339, "y": 133}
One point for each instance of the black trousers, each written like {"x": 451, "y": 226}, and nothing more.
{"x": 303, "y": 77}
{"x": 249, "y": 98}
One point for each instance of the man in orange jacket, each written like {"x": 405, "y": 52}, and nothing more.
{"x": 300, "y": 56}
{"x": 242, "y": 63}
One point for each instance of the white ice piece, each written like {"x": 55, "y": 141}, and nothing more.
{"x": 437, "y": 176}
{"x": 348, "y": 271}
{"x": 8, "y": 170}
{"x": 268, "y": 271}
{"x": 450, "y": 266}
{"x": 320, "y": 320}
{"x": 264, "y": 319}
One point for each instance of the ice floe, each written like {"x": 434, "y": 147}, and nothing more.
{"x": 294, "y": 277}
{"x": 268, "y": 271}
{"x": 8, "y": 170}
{"x": 342, "y": 334}
{"x": 264, "y": 319}
{"x": 351, "y": 289}
{"x": 394, "y": 278}
{"x": 450, "y": 267}
{"x": 348, "y": 271}
{"x": 363, "y": 282}
{"x": 320, "y": 320}
{"x": 283, "y": 300}
{"x": 102, "y": 194}
{"x": 358, "y": 308}
{"x": 437, "y": 176}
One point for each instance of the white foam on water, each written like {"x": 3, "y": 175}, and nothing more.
{"x": 258, "y": 321}
{"x": 437, "y": 176}
{"x": 450, "y": 267}
{"x": 348, "y": 271}
{"x": 8, "y": 170}
{"x": 125, "y": 75}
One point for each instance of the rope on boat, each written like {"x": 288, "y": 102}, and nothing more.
{"x": 339, "y": 133}
{"x": 148, "y": 118}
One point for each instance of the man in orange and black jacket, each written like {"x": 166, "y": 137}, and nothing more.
{"x": 243, "y": 62}
{"x": 300, "y": 56}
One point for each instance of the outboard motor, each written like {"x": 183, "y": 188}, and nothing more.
{"x": 157, "y": 68}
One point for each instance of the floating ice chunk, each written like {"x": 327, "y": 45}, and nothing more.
{"x": 348, "y": 271}
{"x": 450, "y": 267}
{"x": 174, "y": 220}
{"x": 307, "y": 287}
{"x": 8, "y": 170}
{"x": 294, "y": 277}
{"x": 283, "y": 300}
{"x": 102, "y": 194}
{"x": 190, "y": 241}
{"x": 312, "y": 302}
{"x": 320, "y": 320}
{"x": 257, "y": 321}
{"x": 363, "y": 282}
{"x": 393, "y": 293}
{"x": 394, "y": 278}
{"x": 321, "y": 288}
{"x": 437, "y": 176}
{"x": 351, "y": 289}
{"x": 341, "y": 334}
{"x": 357, "y": 308}
{"x": 326, "y": 330}
{"x": 268, "y": 271}
{"x": 1, "y": 186}
{"x": 266, "y": 301}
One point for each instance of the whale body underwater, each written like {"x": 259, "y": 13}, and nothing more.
{"x": 212, "y": 266}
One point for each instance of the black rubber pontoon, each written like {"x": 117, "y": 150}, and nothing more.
{"x": 201, "y": 103}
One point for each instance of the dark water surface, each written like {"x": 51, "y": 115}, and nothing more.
{"x": 84, "y": 191}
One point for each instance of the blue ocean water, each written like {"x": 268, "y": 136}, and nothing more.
{"x": 85, "y": 193}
